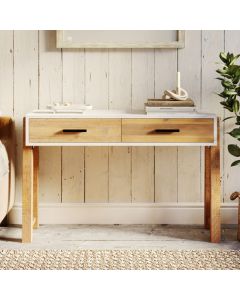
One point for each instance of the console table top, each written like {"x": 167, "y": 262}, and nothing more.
{"x": 140, "y": 114}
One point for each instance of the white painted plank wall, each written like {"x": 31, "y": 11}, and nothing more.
{"x": 34, "y": 73}
{"x": 189, "y": 158}
{"x": 6, "y": 72}
{"x": 212, "y": 45}
{"x": 50, "y": 91}
{"x": 73, "y": 72}
{"x": 25, "y": 87}
{"x": 166, "y": 167}
{"x": 120, "y": 97}
{"x": 142, "y": 157}
{"x": 96, "y": 94}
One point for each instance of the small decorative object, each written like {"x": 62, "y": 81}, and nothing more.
{"x": 234, "y": 196}
{"x": 66, "y": 107}
{"x": 178, "y": 94}
{"x": 172, "y": 101}
{"x": 69, "y": 107}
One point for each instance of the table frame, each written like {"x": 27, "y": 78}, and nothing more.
{"x": 212, "y": 199}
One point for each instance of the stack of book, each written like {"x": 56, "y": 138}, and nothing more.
{"x": 153, "y": 106}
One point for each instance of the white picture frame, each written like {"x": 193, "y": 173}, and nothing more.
{"x": 120, "y": 39}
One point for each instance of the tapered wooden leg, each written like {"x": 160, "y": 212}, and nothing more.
{"x": 27, "y": 195}
{"x": 212, "y": 199}
{"x": 207, "y": 191}
{"x": 35, "y": 186}
{"x": 215, "y": 218}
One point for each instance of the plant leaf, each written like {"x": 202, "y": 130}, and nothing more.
{"x": 225, "y": 119}
{"x": 236, "y": 106}
{"x": 237, "y": 120}
{"x": 235, "y": 163}
{"x": 230, "y": 92}
{"x": 234, "y": 150}
{"x": 236, "y": 79}
{"x": 227, "y": 84}
{"x": 223, "y": 57}
{"x": 234, "y": 60}
{"x": 235, "y": 133}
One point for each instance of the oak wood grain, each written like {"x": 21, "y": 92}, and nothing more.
{"x": 35, "y": 185}
{"x": 27, "y": 191}
{"x": 97, "y": 130}
{"x": 27, "y": 195}
{"x": 215, "y": 217}
{"x": 207, "y": 187}
{"x": 190, "y": 130}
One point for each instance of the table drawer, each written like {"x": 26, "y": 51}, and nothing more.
{"x": 59, "y": 130}
{"x": 183, "y": 130}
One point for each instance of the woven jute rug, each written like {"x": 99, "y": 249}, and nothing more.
{"x": 119, "y": 260}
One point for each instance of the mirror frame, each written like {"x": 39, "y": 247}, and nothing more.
{"x": 179, "y": 43}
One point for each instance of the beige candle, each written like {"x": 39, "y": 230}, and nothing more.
{"x": 178, "y": 83}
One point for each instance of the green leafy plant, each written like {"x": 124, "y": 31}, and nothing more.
{"x": 230, "y": 80}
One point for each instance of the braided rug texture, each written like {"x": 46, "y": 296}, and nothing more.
{"x": 119, "y": 260}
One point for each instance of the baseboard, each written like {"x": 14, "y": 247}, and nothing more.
{"x": 106, "y": 213}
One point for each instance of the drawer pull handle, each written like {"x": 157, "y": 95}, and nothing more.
{"x": 166, "y": 130}
{"x": 74, "y": 130}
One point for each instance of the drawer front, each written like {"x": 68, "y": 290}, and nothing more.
{"x": 168, "y": 130}
{"x": 74, "y": 130}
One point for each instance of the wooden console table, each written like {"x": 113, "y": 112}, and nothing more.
{"x": 115, "y": 128}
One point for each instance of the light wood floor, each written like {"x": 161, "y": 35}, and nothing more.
{"x": 118, "y": 237}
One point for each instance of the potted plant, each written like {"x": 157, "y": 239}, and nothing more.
{"x": 230, "y": 80}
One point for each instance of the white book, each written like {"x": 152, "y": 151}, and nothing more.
{"x": 172, "y": 109}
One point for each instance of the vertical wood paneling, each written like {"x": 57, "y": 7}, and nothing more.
{"x": 6, "y": 94}
{"x": 189, "y": 64}
{"x": 120, "y": 98}
{"x": 231, "y": 183}
{"x": 120, "y": 174}
{"x": 73, "y": 75}
{"x": 73, "y": 157}
{"x": 120, "y": 69}
{"x": 212, "y": 44}
{"x": 50, "y": 91}
{"x": 142, "y": 157}
{"x": 142, "y": 77}
{"x": 115, "y": 79}
{"x": 96, "y": 64}
{"x": 96, "y": 174}
{"x": 6, "y": 72}
{"x": 25, "y": 88}
{"x": 96, "y": 158}
{"x": 165, "y": 157}
{"x": 166, "y": 174}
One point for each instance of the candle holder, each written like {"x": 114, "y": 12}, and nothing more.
{"x": 178, "y": 94}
